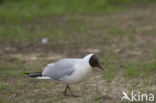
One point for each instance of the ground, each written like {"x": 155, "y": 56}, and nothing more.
{"x": 124, "y": 41}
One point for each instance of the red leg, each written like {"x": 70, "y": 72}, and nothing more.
{"x": 72, "y": 93}
{"x": 65, "y": 91}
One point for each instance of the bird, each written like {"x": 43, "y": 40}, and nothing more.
{"x": 68, "y": 71}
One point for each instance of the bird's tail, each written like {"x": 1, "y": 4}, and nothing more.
{"x": 37, "y": 75}
{"x": 34, "y": 75}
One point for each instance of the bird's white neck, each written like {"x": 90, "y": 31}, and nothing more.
{"x": 87, "y": 57}
{"x": 86, "y": 60}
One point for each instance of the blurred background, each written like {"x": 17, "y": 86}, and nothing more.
{"x": 122, "y": 33}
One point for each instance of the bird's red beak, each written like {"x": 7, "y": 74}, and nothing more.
{"x": 101, "y": 67}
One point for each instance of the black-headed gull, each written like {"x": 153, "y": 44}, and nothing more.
{"x": 68, "y": 71}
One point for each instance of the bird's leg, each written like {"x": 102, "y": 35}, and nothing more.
{"x": 65, "y": 91}
{"x": 71, "y": 92}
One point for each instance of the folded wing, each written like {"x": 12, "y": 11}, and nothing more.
{"x": 59, "y": 70}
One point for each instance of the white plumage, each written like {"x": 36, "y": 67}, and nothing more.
{"x": 68, "y": 71}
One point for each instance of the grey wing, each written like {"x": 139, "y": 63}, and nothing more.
{"x": 59, "y": 70}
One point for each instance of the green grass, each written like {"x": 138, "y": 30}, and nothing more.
{"x": 18, "y": 16}
{"x": 3, "y": 65}
{"x": 132, "y": 68}
{"x": 109, "y": 73}
{"x": 149, "y": 68}
{"x": 3, "y": 86}
{"x": 116, "y": 31}
{"x": 21, "y": 21}
{"x": 4, "y": 100}
{"x": 135, "y": 68}
{"x": 17, "y": 10}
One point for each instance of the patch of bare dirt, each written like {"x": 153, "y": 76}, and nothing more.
{"x": 36, "y": 56}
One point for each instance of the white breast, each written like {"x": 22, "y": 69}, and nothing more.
{"x": 81, "y": 71}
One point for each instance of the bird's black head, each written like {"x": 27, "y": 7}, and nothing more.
{"x": 94, "y": 62}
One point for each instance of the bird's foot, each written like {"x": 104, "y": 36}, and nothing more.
{"x": 67, "y": 95}
{"x": 75, "y": 96}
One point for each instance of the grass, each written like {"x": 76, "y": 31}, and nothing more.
{"x": 135, "y": 68}
{"x": 4, "y": 100}
{"x": 3, "y": 86}
{"x": 132, "y": 68}
{"x": 109, "y": 75}
{"x": 30, "y": 10}
{"x": 149, "y": 68}
{"x": 109, "y": 72}
{"x": 13, "y": 20}
{"x": 126, "y": 52}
